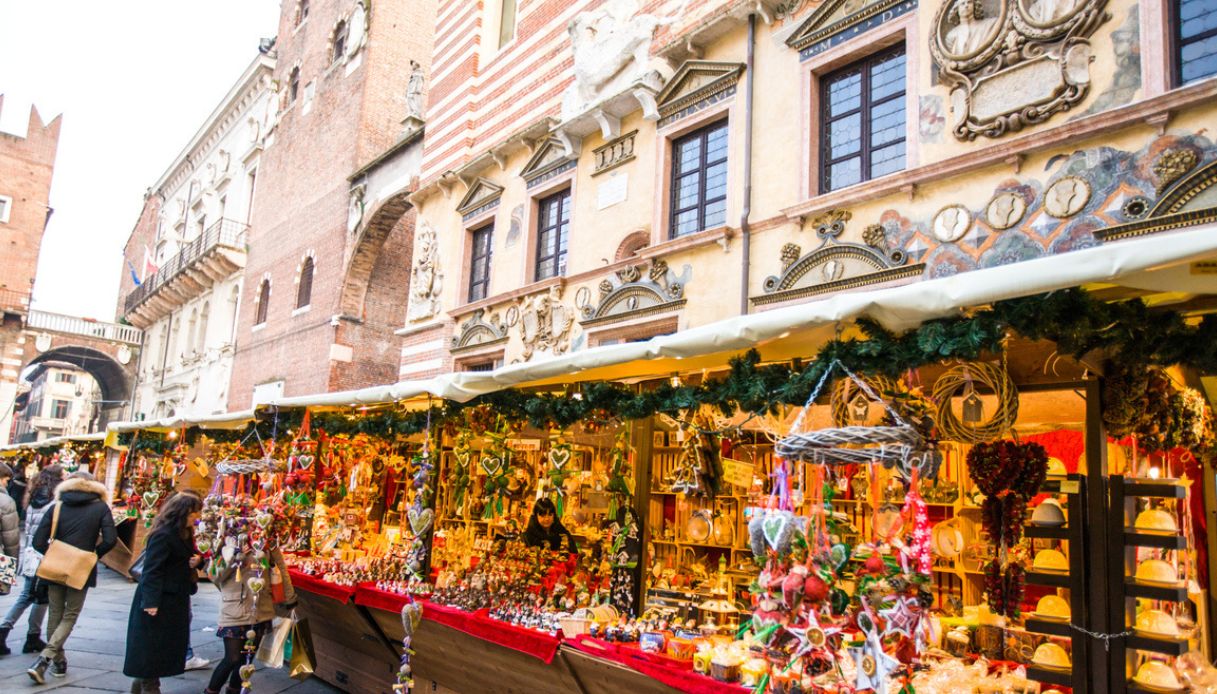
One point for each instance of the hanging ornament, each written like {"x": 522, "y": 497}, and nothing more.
{"x": 874, "y": 666}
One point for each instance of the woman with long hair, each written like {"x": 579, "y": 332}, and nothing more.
{"x": 158, "y": 628}
{"x": 546, "y": 530}
{"x": 38, "y": 498}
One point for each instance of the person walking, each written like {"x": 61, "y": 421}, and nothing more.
{"x": 85, "y": 523}
{"x": 10, "y": 520}
{"x": 39, "y": 497}
{"x": 158, "y": 628}
{"x": 242, "y": 610}
{"x": 16, "y": 488}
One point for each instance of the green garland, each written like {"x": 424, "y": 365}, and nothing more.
{"x": 1128, "y": 332}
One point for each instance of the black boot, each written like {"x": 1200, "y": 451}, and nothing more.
{"x": 33, "y": 644}
{"x": 4, "y": 646}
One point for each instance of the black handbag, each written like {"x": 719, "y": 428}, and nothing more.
{"x": 136, "y": 570}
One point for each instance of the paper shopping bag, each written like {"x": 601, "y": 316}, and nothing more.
{"x": 270, "y": 651}
{"x": 302, "y": 661}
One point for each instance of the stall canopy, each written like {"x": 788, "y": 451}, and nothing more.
{"x": 1161, "y": 268}
{"x": 54, "y": 441}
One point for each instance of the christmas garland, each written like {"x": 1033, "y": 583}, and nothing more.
{"x": 1128, "y": 332}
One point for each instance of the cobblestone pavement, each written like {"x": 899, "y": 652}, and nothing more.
{"x": 95, "y": 649}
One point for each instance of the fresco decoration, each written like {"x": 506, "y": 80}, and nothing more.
{"x": 835, "y": 265}
{"x": 1126, "y": 59}
{"x": 1092, "y": 195}
{"x": 635, "y": 291}
{"x": 1013, "y": 63}
{"x": 479, "y": 331}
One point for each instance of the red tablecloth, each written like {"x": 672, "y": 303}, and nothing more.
{"x": 478, "y": 624}
{"x": 677, "y": 674}
{"x": 312, "y": 584}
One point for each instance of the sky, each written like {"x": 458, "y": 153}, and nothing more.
{"x": 133, "y": 80}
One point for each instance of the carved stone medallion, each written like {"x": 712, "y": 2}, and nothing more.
{"x": 1013, "y": 63}
{"x": 1005, "y": 210}
{"x": 1066, "y": 197}
{"x": 951, "y": 223}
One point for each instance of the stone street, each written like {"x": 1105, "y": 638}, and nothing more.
{"x": 96, "y": 647}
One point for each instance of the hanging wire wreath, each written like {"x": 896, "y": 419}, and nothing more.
{"x": 249, "y": 466}
{"x": 961, "y": 380}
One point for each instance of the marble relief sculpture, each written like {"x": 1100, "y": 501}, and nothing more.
{"x": 1013, "y": 63}
{"x": 545, "y": 324}
{"x": 426, "y": 277}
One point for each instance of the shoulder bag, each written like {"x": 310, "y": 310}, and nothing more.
{"x": 65, "y": 563}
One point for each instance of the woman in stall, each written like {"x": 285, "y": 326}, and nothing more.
{"x": 545, "y": 530}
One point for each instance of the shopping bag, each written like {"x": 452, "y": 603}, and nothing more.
{"x": 270, "y": 651}
{"x": 302, "y": 661}
{"x": 8, "y": 573}
{"x": 64, "y": 563}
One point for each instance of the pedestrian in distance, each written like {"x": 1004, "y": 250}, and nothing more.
{"x": 10, "y": 521}
{"x": 84, "y": 522}
{"x": 158, "y": 628}
{"x": 39, "y": 496}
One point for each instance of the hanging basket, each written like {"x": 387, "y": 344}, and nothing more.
{"x": 899, "y": 447}
{"x": 249, "y": 466}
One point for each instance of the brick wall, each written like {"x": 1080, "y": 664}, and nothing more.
{"x": 143, "y": 236}
{"x": 26, "y": 166}
{"x": 301, "y": 203}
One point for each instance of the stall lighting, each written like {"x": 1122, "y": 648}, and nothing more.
{"x": 173, "y": 434}
{"x": 1155, "y": 472}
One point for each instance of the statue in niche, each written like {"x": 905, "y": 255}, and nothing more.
{"x": 612, "y": 46}
{"x": 972, "y": 30}
{"x": 355, "y": 207}
{"x": 426, "y": 277}
{"x": 414, "y": 92}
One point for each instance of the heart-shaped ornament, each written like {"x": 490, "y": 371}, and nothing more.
{"x": 776, "y": 527}
{"x": 491, "y": 465}
{"x": 256, "y": 584}
{"x": 462, "y": 459}
{"x": 559, "y": 457}
{"x": 411, "y": 615}
{"x": 420, "y": 521}
{"x": 203, "y": 544}
{"x": 150, "y": 498}
{"x": 247, "y": 671}
{"x": 264, "y": 520}
{"x": 228, "y": 553}
{"x": 305, "y": 460}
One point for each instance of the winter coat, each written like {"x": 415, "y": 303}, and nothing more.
{"x": 156, "y": 646}
{"x": 30, "y": 557}
{"x": 84, "y": 520}
{"x": 16, "y": 490}
{"x": 238, "y": 606}
{"x": 10, "y": 525}
{"x": 536, "y": 536}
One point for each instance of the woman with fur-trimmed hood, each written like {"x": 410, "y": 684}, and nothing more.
{"x": 85, "y": 523}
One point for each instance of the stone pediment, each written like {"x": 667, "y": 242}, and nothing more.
{"x": 694, "y": 81}
{"x": 550, "y": 156}
{"x": 838, "y": 16}
{"x": 479, "y": 195}
{"x": 635, "y": 291}
{"x": 479, "y": 331}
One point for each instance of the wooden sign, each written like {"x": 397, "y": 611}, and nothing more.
{"x": 737, "y": 472}
{"x": 524, "y": 444}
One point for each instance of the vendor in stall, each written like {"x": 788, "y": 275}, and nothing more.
{"x": 545, "y": 530}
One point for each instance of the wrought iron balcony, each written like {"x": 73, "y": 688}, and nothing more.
{"x": 216, "y": 253}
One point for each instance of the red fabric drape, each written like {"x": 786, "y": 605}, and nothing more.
{"x": 312, "y": 584}
{"x": 677, "y": 674}
{"x": 479, "y": 624}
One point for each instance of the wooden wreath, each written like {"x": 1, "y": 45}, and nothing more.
{"x": 956, "y": 381}
{"x": 250, "y": 466}
{"x": 844, "y": 392}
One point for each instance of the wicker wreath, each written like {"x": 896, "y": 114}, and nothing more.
{"x": 844, "y": 391}
{"x": 249, "y": 466}
{"x": 954, "y": 382}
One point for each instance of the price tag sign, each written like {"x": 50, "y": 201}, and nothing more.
{"x": 1070, "y": 487}
{"x": 524, "y": 444}
{"x": 737, "y": 472}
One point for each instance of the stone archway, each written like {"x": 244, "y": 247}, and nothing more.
{"x": 366, "y": 251}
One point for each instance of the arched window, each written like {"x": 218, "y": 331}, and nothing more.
{"x": 234, "y": 304}
{"x": 263, "y": 302}
{"x": 293, "y": 85}
{"x": 340, "y": 41}
{"x": 304, "y": 292}
{"x": 301, "y": 12}
{"x": 200, "y": 344}
{"x": 191, "y": 330}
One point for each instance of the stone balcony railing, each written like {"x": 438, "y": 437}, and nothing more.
{"x": 85, "y": 327}
{"x": 211, "y": 257}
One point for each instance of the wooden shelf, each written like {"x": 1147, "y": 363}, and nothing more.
{"x": 1158, "y": 644}
{"x": 1044, "y": 533}
{"x": 1150, "y": 538}
{"x": 1154, "y": 488}
{"x": 1152, "y": 591}
{"x": 1054, "y": 627}
{"x": 1058, "y": 676}
{"x": 1042, "y": 578}
{"x": 1135, "y": 688}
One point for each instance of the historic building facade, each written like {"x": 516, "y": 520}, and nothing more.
{"x": 184, "y": 261}
{"x": 62, "y": 400}
{"x": 325, "y": 281}
{"x": 597, "y": 172}
{"x": 27, "y": 164}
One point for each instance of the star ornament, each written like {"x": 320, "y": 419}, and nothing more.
{"x": 873, "y": 666}
{"x": 900, "y": 619}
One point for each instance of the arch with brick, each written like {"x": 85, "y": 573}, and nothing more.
{"x": 396, "y": 211}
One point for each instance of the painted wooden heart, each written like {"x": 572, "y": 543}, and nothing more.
{"x": 305, "y": 460}
{"x": 420, "y": 521}
{"x": 150, "y": 498}
{"x": 203, "y": 544}
{"x": 256, "y": 584}
{"x": 411, "y": 615}
{"x": 559, "y": 457}
{"x": 462, "y": 459}
{"x": 491, "y": 465}
{"x": 247, "y": 671}
{"x": 264, "y": 520}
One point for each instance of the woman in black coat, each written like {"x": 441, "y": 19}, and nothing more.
{"x": 546, "y": 531}
{"x": 158, "y": 629}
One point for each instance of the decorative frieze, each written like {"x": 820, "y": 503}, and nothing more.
{"x": 629, "y": 294}
{"x": 614, "y": 153}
